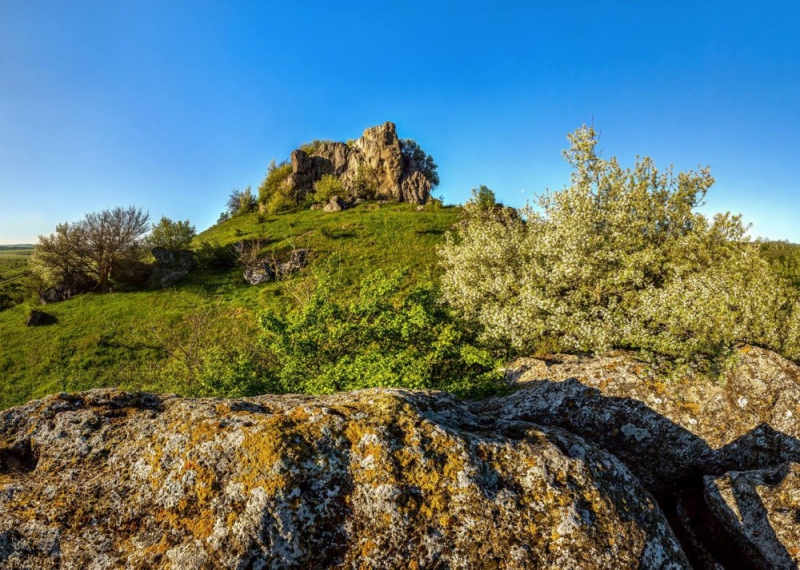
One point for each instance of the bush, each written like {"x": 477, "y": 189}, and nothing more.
{"x": 383, "y": 337}
{"x": 210, "y": 254}
{"x": 313, "y": 146}
{"x": 273, "y": 194}
{"x": 326, "y": 187}
{"x": 172, "y": 236}
{"x": 620, "y": 258}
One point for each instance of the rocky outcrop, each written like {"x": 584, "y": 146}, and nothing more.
{"x": 267, "y": 269}
{"x": 372, "y": 479}
{"x": 374, "y": 161}
{"x": 170, "y": 266}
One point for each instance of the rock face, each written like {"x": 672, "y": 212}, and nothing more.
{"x": 760, "y": 509}
{"x": 170, "y": 266}
{"x": 376, "y": 160}
{"x": 372, "y": 479}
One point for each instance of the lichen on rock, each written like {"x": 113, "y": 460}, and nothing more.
{"x": 371, "y": 479}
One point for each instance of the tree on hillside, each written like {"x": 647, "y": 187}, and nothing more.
{"x": 414, "y": 154}
{"x": 240, "y": 202}
{"x": 91, "y": 246}
{"x": 619, "y": 258}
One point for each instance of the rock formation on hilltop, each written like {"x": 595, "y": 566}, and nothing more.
{"x": 591, "y": 463}
{"x": 377, "y": 159}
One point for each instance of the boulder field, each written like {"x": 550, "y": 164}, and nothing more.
{"x": 590, "y": 463}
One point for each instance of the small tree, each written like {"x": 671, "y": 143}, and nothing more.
{"x": 172, "y": 236}
{"x": 273, "y": 194}
{"x": 91, "y": 247}
{"x": 240, "y": 202}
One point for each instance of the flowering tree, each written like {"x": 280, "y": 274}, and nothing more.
{"x": 619, "y": 258}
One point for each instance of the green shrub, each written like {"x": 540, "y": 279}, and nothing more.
{"x": 384, "y": 337}
{"x": 173, "y": 236}
{"x": 210, "y": 254}
{"x": 365, "y": 183}
{"x": 326, "y": 187}
{"x": 620, "y": 258}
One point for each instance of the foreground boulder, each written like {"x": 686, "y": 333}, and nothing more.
{"x": 371, "y": 479}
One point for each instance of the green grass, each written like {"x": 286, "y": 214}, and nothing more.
{"x": 98, "y": 340}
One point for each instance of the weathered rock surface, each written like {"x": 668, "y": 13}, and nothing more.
{"x": 170, "y": 266}
{"x": 677, "y": 438}
{"x": 375, "y": 159}
{"x": 370, "y": 479}
{"x": 761, "y": 510}
{"x": 335, "y": 204}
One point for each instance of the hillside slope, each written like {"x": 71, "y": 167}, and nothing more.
{"x": 102, "y": 341}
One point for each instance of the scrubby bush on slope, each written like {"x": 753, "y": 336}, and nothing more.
{"x": 383, "y": 337}
{"x": 620, "y": 258}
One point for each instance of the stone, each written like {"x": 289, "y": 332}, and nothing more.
{"x": 298, "y": 258}
{"x": 376, "y": 157}
{"x": 259, "y": 275}
{"x": 378, "y": 478}
{"x": 61, "y": 292}
{"x": 170, "y": 266}
{"x": 268, "y": 269}
{"x": 335, "y": 204}
{"x": 39, "y": 318}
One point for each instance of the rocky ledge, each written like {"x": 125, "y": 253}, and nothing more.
{"x": 590, "y": 464}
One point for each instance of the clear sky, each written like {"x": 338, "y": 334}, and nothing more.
{"x": 169, "y": 105}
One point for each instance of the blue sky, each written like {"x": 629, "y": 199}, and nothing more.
{"x": 169, "y": 105}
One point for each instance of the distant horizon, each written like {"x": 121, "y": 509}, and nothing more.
{"x": 171, "y": 105}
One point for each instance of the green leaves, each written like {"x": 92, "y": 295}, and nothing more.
{"x": 386, "y": 336}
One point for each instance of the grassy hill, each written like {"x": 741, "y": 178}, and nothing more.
{"x": 102, "y": 340}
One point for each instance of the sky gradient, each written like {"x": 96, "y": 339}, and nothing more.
{"x": 170, "y": 105}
